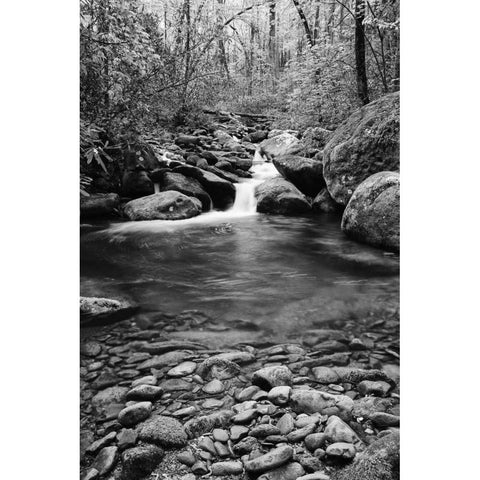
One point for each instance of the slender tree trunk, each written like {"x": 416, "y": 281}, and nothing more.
{"x": 221, "y": 43}
{"x": 362, "y": 84}
{"x": 304, "y": 20}
{"x": 187, "y": 48}
{"x": 272, "y": 44}
{"x": 316, "y": 24}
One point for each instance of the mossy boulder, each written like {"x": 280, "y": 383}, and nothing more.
{"x": 366, "y": 143}
{"x": 373, "y": 213}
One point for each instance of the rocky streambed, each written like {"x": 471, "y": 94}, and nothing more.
{"x": 324, "y": 405}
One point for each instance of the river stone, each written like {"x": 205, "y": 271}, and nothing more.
{"x": 301, "y": 433}
{"x": 268, "y": 377}
{"x": 100, "y": 306}
{"x": 281, "y": 144}
{"x": 187, "y": 458}
{"x": 278, "y": 196}
{"x": 323, "y": 202}
{"x": 312, "y": 401}
{"x": 220, "y": 435}
{"x": 222, "y": 192}
{"x": 264, "y": 430}
{"x": 163, "y": 360}
{"x": 111, "y": 395}
{"x": 126, "y": 438}
{"x": 377, "y": 389}
{"x": 341, "y": 451}
{"x": 291, "y": 471}
{"x": 274, "y": 458}
{"x": 247, "y": 393}
{"x": 245, "y": 446}
{"x": 383, "y": 420}
{"x": 219, "y": 368}
{"x": 213, "y": 387}
{"x": 176, "y": 385}
{"x": 134, "y": 414}
{"x": 200, "y": 425}
{"x": 368, "y": 406}
{"x": 315, "y": 441}
{"x": 325, "y": 375}
{"x": 286, "y": 424}
{"x": 188, "y": 186}
{"x": 90, "y": 474}
{"x": 366, "y": 143}
{"x": 182, "y": 370}
{"x": 167, "y": 205}
{"x": 337, "y": 430}
{"x": 102, "y": 442}
{"x": 98, "y": 204}
{"x": 105, "y": 460}
{"x": 245, "y": 416}
{"x": 138, "y": 462}
{"x": 206, "y": 444}
{"x": 164, "y": 431}
{"x": 226, "y": 468}
{"x": 279, "y": 395}
{"x": 379, "y": 461}
{"x": 356, "y": 375}
{"x": 305, "y": 173}
{"x": 236, "y": 356}
{"x": 145, "y": 392}
{"x": 372, "y": 215}
{"x": 199, "y": 468}
{"x": 237, "y": 432}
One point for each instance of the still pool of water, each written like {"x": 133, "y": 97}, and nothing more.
{"x": 279, "y": 273}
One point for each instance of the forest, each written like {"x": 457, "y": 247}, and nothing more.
{"x": 239, "y": 239}
{"x": 149, "y": 64}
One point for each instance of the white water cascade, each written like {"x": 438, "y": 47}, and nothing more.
{"x": 245, "y": 203}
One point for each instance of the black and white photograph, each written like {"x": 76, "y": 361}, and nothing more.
{"x": 201, "y": 229}
{"x": 240, "y": 237}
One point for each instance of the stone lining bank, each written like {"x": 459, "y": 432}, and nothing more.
{"x": 315, "y": 408}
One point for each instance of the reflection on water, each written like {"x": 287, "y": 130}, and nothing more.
{"x": 281, "y": 273}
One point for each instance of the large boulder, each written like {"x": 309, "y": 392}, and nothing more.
{"x": 277, "y": 195}
{"x": 169, "y": 205}
{"x": 305, "y": 173}
{"x": 98, "y": 205}
{"x": 188, "y": 186}
{"x": 282, "y": 144}
{"x": 221, "y": 191}
{"x": 315, "y": 138}
{"x": 366, "y": 143}
{"x": 136, "y": 184}
{"x": 380, "y": 461}
{"x": 373, "y": 213}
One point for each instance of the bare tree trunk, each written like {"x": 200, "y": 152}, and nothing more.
{"x": 316, "y": 25}
{"x": 362, "y": 84}
{"x": 272, "y": 44}
{"x": 304, "y": 20}
{"x": 221, "y": 43}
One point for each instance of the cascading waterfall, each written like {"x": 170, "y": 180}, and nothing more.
{"x": 245, "y": 201}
